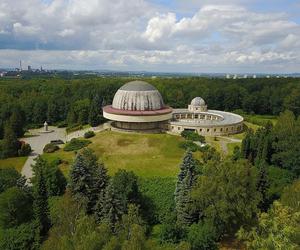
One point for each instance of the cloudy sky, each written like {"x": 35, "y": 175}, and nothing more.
{"x": 233, "y": 36}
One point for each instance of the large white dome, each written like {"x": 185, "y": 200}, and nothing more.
{"x": 138, "y": 96}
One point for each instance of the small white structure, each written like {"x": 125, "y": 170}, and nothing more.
{"x": 46, "y": 126}
{"x": 197, "y": 105}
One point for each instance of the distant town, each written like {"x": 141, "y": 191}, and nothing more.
{"x": 28, "y": 71}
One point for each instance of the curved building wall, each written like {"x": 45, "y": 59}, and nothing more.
{"x": 136, "y": 118}
{"x": 210, "y": 123}
{"x": 210, "y": 130}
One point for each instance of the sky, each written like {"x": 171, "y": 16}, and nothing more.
{"x": 211, "y": 36}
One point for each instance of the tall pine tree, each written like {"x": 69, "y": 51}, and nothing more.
{"x": 87, "y": 178}
{"x": 10, "y": 143}
{"x": 109, "y": 207}
{"x": 185, "y": 181}
{"x": 95, "y": 111}
{"x": 40, "y": 203}
{"x": 263, "y": 186}
{"x": 246, "y": 145}
{"x": 17, "y": 121}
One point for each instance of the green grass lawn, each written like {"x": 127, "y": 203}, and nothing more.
{"x": 214, "y": 143}
{"x": 148, "y": 155}
{"x": 231, "y": 146}
{"x": 15, "y": 162}
{"x": 260, "y": 119}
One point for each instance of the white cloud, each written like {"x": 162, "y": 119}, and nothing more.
{"x": 160, "y": 26}
{"x": 135, "y": 34}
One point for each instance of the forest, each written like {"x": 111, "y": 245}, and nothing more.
{"x": 78, "y": 101}
{"x": 250, "y": 198}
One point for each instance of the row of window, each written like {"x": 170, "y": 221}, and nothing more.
{"x": 215, "y": 130}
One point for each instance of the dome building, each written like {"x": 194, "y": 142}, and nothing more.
{"x": 204, "y": 121}
{"x": 138, "y": 106}
{"x": 197, "y": 104}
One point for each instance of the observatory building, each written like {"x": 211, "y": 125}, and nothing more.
{"x": 138, "y": 106}
{"x": 204, "y": 121}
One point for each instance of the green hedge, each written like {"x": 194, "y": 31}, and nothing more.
{"x": 89, "y": 134}
{"x": 76, "y": 144}
{"x": 50, "y": 148}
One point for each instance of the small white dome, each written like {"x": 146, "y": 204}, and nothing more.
{"x": 198, "y": 101}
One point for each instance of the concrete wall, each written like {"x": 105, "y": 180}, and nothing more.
{"x": 136, "y": 118}
{"x": 209, "y": 131}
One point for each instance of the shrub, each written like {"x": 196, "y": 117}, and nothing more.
{"x": 21, "y": 237}
{"x": 74, "y": 127}
{"x": 62, "y": 124}
{"x": 158, "y": 196}
{"x": 50, "y": 148}
{"x": 15, "y": 207}
{"x": 76, "y": 144}
{"x": 170, "y": 231}
{"x": 202, "y": 236}
{"x": 24, "y": 150}
{"x": 192, "y": 136}
{"x": 89, "y": 134}
{"x": 8, "y": 178}
{"x": 189, "y": 145}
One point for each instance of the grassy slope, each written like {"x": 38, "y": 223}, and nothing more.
{"x": 15, "y": 162}
{"x": 148, "y": 155}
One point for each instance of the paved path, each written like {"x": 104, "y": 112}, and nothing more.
{"x": 39, "y": 140}
{"x": 226, "y": 141}
{"x": 80, "y": 133}
{"x": 230, "y": 139}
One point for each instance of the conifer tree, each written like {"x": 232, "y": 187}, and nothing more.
{"x": 10, "y": 143}
{"x": 109, "y": 207}
{"x": 40, "y": 204}
{"x": 263, "y": 185}
{"x": 186, "y": 179}
{"x": 236, "y": 153}
{"x": 246, "y": 145}
{"x": 80, "y": 177}
{"x": 17, "y": 121}
{"x": 183, "y": 204}
{"x": 87, "y": 178}
{"x": 94, "y": 112}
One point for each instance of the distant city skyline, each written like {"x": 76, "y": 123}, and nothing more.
{"x": 212, "y": 36}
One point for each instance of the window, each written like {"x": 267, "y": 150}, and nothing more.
{"x": 208, "y": 130}
{"x": 226, "y": 129}
{"x": 221, "y": 129}
{"x": 200, "y": 130}
{"x": 215, "y": 130}
{"x": 178, "y": 128}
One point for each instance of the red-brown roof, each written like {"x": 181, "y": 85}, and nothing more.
{"x": 111, "y": 110}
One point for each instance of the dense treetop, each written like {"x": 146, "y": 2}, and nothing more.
{"x": 73, "y": 100}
